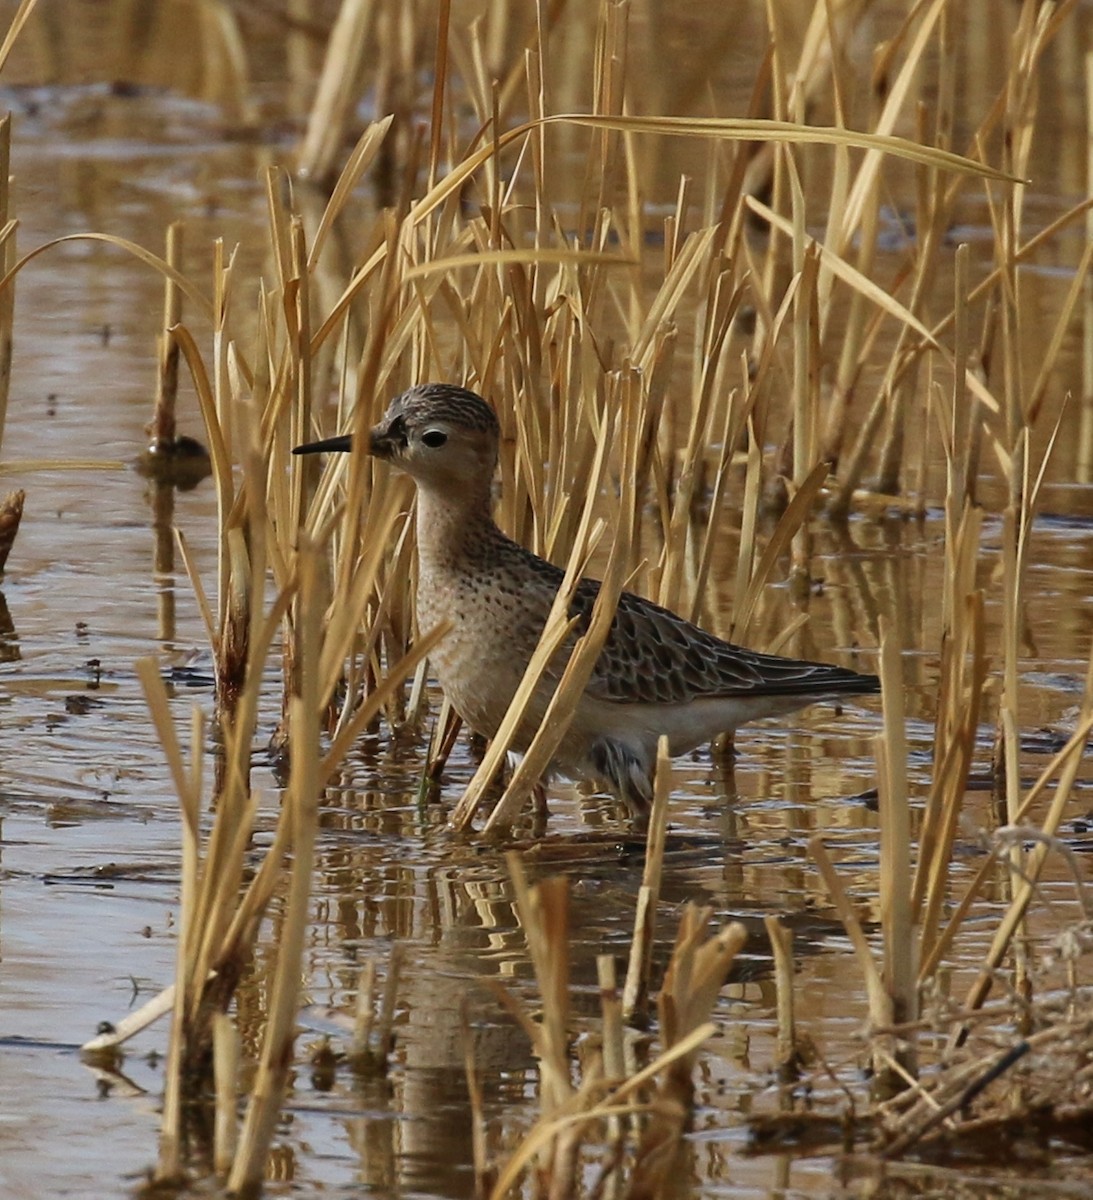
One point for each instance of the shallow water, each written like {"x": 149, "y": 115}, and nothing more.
{"x": 88, "y": 824}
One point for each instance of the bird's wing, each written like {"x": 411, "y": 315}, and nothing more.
{"x": 653, "y": 656}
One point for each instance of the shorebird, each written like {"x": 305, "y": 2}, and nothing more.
{"x": 657, "y": 673}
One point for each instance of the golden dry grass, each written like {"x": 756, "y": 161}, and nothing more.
{"x": 629, "y": 385}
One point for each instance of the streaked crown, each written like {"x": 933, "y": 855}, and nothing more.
{"x": 456, "y": 406}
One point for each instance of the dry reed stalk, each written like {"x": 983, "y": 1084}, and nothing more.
{"x": 385, "y": 1037}
{"x": 719, "y": 485}
{"x": 853, "y": 351}
{"x": 298, "y": 392}
{"x": 187, "y": 787}
{"x": 131, "y": 1024}
{"x": 1016, "y": 530}
{"x": 226, "y": 1070}
{"x": 373, "y": 1038}
{"x": 962, "y": 676}
{"x": 336, "y": 93}
{"x": 962, "y": 468}
{"x": 361, "y": 1045}
{"x": 790, "y": 521}
{"x": 636, "y": 989}
{"x": 781, "y": 948}
{"x": 614, "y": 1053}
{"x": 440, "y": 80}
{"x": 906, "y": 381}
{"x": 1085, "y": 426}
{"x": 164, "y": 429}
{"x": 613, "y": 1046}
{"x": 7, "y": 261}
{"x": 15, "y": 26}
{"x": 806, "y": 374}
{"x": 240, "y": 557}
{"x": 896, "y": 914}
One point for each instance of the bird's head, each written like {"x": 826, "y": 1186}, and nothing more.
{"x": 442, "y": 435}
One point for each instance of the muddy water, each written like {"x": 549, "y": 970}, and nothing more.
{"x": 88, "y": 825}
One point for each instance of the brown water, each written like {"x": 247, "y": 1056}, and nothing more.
{"x": 89, "y": 867}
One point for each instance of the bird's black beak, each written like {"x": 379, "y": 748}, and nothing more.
{"x": 343, "y": 443}
{"x": 385, "y": 440}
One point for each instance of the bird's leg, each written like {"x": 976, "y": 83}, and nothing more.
{"x": 540, "y": 810}
{"x": 627, "y": 774}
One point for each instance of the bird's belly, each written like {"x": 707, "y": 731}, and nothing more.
{"x": 480, "y": 662}
{"x": 478, "y": 684}
{"x": 686, "y": 725}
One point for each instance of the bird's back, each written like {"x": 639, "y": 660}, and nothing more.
{"x": 498, "y": 599}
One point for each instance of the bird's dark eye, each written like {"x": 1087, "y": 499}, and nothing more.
{"x": 434, "y": 438}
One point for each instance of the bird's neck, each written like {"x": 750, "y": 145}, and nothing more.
{"x": 453, "y": 525}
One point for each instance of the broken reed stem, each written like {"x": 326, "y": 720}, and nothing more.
{"x": 385, "y": 1038}
{"x": 368, "y": 1054}
{"x": 226, "y": 1072}
{"x": 361, "y": 1045}
{"x": 963, "y": 460}
{"x": 695, "y": 976}
{"x": 544, "y": 916}
{"x": 614, "y": 1051}
{"x": 914, "y": 1132}
{"x": 635, "y": 992}
{"x": 614, "y": 1060}
{"x": 963, "y": 673}
{"x": 164, "y": 428}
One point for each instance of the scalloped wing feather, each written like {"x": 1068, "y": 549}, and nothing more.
{"x": 652, "y": 656}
